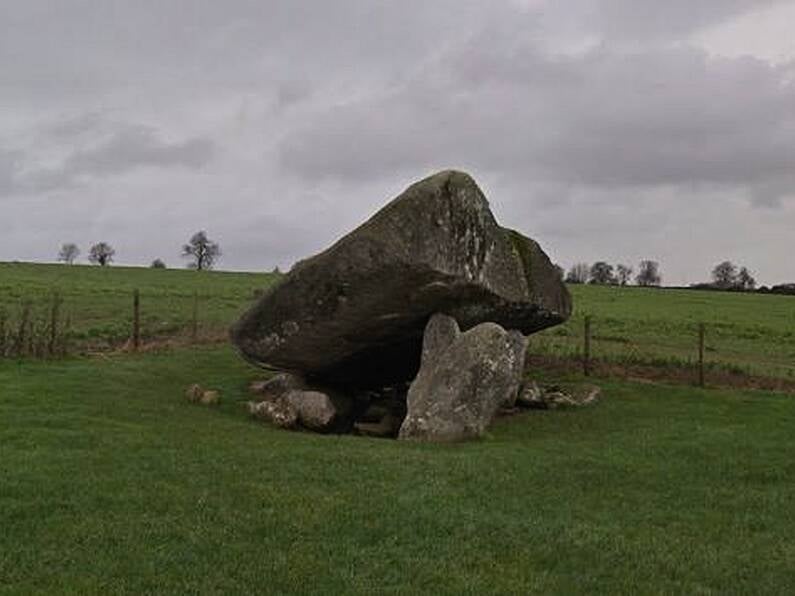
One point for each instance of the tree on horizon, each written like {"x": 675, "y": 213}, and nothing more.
{"x": 202, "y": 251}
{"x": 68, "y": 253}
{"x": 623, "y": 274}
{"x": 578, "y": 274}
{"x": 101, "y": 254}
{"x": 724, "y": 275}
{"x": 602, "y": 273}
{"x": 648, "y": 274}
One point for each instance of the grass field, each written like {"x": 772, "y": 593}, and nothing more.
{"x": 748, "y": 333}
{"x": 98, "y": 300}
{"x": 753, "y": 333}
{"x": 111, "y": 483}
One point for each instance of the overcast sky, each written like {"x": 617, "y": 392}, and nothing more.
{"x": 605, "y": 129}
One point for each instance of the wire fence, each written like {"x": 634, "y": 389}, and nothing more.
{"x": 43, "y": 329}
{"x": 703, "y": 354}
{"x": 596, "y": 346}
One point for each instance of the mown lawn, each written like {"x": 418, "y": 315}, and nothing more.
{"x": 110, "y": 483}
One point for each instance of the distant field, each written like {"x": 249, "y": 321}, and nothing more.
{"x": 754, "y": 333}
{"x": 749, "y": 333}
{"x": 98, "y": 300}
{"x": 112, "y": 484}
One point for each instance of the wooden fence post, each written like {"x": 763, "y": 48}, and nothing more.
{"x": 701, "y": 334}
{"x": 54, "y": 312}
{"x": 136, "y": 330}
{"x": 586, "y": 353}
{"x": 194, "y": 323}
{"x": 21, "y": 342}
{"x": 2, "y": 332}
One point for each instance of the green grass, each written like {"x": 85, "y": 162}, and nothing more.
{"x": 751, "y": 332}
{"x": 99, "y": 300}
{"x": 111, "y": 483}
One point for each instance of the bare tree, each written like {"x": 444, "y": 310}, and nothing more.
{"x": 724, "y": 275}
{"x": 578, "y": 274}
{"x": 745, "y": 281}
{"x": 202, "y": 251}
{"x": 648, "y": 274}
{"x": 101, "y": 254}
{"x": 623, "y": 274}
{"x": 68, "y": 253}
{"x": 602, "y": 273}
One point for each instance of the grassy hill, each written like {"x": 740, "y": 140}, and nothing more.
{"x": 112, "y": 484}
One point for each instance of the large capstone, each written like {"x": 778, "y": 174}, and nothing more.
{"x": 354, "y": 315}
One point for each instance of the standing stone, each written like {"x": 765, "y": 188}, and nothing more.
{"x": 354, "y": 315}
{"x": 462, "y": 383}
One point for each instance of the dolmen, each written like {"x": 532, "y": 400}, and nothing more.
{"x": 413, "y": 325}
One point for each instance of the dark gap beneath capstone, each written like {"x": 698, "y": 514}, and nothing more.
{"x": 380, "y": 413}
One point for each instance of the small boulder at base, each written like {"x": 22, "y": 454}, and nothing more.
{"x": 210, "y": 398}
{"x": 277, "y": 412}
{"x": 550, "y": 397}
{"x": 461, "y": 385}
{"x": 310, "y": 409}
{"x": 194, "y": 393}
{"x": 319, "y": 410}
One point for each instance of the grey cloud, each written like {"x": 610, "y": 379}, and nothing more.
{"x": 136, "y": 147}
{"x": 569, "y": 113}
{"x": 664, "y": 19}
{"x": 666, "y": 116}
{"x": 124, "y": 150}
{"x": 74, "y": 126}
{"x": 9, "y": 166}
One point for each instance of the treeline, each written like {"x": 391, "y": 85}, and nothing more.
{"x": 725, "y": 277}
{"x": 603, "y": 273}
{"x": 728, "y": 277}
{"x": 201, "y": 252}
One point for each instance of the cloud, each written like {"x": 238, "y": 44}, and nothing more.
{"x": 605, "y": 119}
{"x": 137, "y": 147}
{"x": 642, "y": 20}
{"x": 122, "y": 151}
{"x": 603, "y": 127}
{"x": 9, "y": 164}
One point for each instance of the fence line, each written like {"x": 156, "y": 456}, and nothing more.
{"x": 46, "y": 332}
{"x": 32, "y": 336}
{"x": 136, "y": 326}
{"x": 701, "y": 333}
{"x": 586, "y": 348}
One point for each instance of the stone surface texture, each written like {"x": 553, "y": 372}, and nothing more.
{"x": 354, "y": 315}
{"x": 461, "y": 386}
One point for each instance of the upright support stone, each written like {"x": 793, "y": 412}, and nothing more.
{"x": 460, "y": 388}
